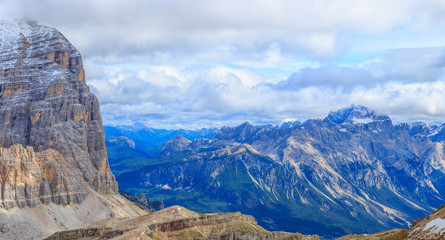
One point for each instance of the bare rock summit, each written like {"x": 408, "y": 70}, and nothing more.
{"x": 54, "y": 172}
{"x": 46, "y": 108}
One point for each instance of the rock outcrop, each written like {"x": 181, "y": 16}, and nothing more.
{"x": 178, "y": 223}
{"x": 176, "y": 144}
{"x": 51, "y": 136}
{"x": 54, "y": 172}
{"x": 430, "y": 228}
{"x": 123, "y": 141}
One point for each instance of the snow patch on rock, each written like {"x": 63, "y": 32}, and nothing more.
{"x": 436, "y": 226}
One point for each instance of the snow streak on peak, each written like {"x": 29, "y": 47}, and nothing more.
{"x": 353, "y": 114}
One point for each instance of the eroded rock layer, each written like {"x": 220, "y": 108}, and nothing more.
{"x": 51, "y": 135}
{"x": 176, "y": 223}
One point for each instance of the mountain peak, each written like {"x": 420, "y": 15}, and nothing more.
{"x": 46, "y": 104}
{"x": 52, "y": 143}
{"x": 176, "y": 144}
{"x": 245, "y": 124}
{"x": 242, "y": 133}
{"x": 54, "y": 48}
{"x": 353, "y": 115}
{"x": 290, "y": 124}
{"x": 416, "y": 129}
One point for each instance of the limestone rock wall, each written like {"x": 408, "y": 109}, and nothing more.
{"x": 45, "y": 104}
{"x": 29, "y": 178}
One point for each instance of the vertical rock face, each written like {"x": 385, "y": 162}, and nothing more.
{"x": 47, "y": 108}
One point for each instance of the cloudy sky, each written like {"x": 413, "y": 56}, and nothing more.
{"x": 208, "y": 63}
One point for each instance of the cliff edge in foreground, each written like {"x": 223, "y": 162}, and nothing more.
{"x": 178, "y": 223}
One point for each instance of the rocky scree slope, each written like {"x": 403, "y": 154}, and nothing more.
{"x": 351, "y": 172}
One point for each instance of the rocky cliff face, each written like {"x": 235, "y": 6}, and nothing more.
{"x": 352, "y": 172}
{"x": 51, "y": 136}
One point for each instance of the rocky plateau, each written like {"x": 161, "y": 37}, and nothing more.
{"x": 178, "y": 223}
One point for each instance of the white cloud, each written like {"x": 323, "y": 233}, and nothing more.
{"x": 409, "y": 65}
{"x": 135, "y": 27}
{"x": 162, "y": 76}
{"x": 399, "y": 65}
{"x": 210, "y": 63}
{"x": 222, "y": 95}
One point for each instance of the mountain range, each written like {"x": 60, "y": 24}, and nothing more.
{"x": 351, "y": 172}
{"x": 129, "y": 146}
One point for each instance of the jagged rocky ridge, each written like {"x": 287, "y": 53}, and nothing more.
{"x": 352, "y": 172}
{"x": 51, "y": 137}
{"x": 435, "y": 133}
